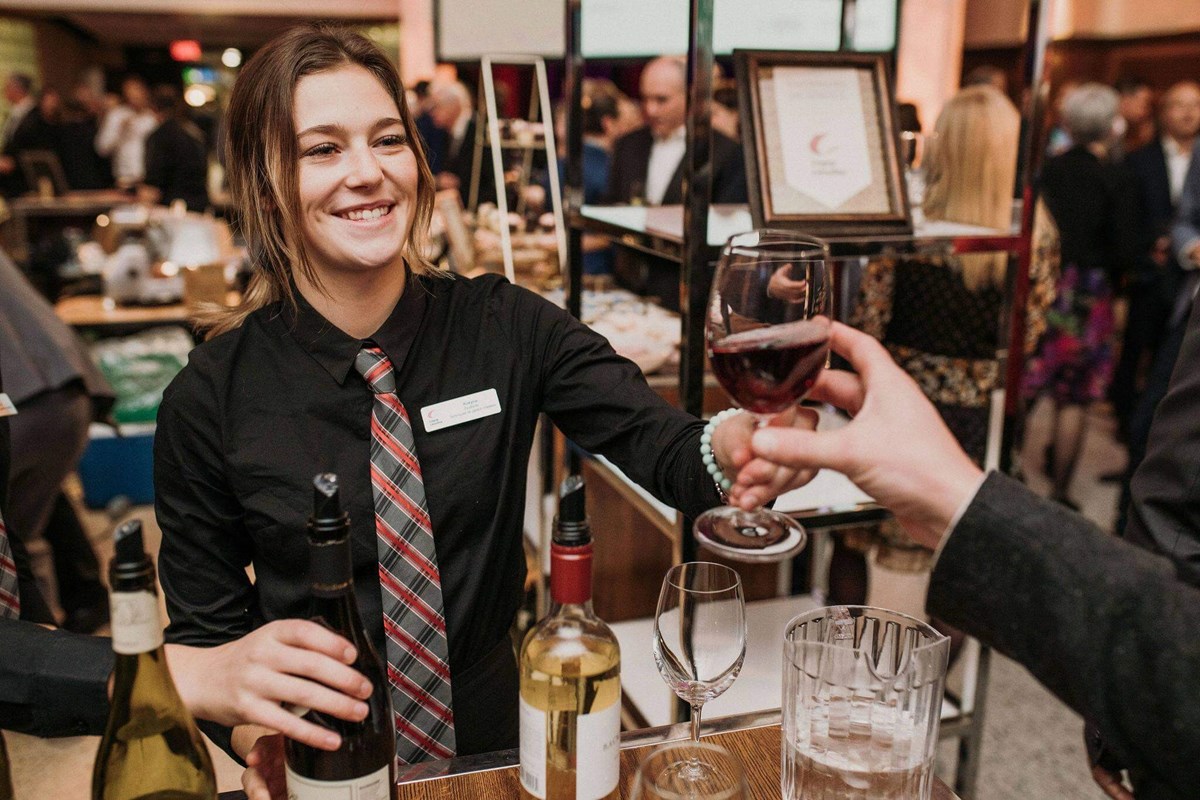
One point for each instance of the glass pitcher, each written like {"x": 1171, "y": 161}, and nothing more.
{"x": 862, "y": 699}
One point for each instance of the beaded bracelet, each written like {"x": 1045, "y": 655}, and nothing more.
{"x": 723, "y": 483}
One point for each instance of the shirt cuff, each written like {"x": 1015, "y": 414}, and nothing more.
{"x": 958, "y": 515}
{"x": 1183, "y": 254}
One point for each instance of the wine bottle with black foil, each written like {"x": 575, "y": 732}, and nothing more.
{"x": 570, "y": 676}
{"x": 364, "y": 767}
{"x": 151, "y": 748}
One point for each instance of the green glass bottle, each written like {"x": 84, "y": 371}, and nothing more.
{"x": 151, "y": 748}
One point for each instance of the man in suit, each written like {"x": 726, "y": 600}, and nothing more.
{"x": 1159, "y": 169}
{"x": 452, "y": 113}
{"x": 23, "y": 130}
{"x": 647, "y": 163}
{"x": 647, "y": 168}
{"x": 1107, "y": 626}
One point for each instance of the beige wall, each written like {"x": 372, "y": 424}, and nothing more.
{"x": 416, "y": 40}
{"x": 929, "y": 60}
{"x": 1126, "y": 18}
{"x": 999, "y": 23}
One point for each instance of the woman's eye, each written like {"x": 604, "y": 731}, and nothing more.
{"x": 321, "y": 150}
{"x": 393, "y": 140}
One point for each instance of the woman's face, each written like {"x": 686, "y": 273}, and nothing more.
{"x": 357, "y": 172}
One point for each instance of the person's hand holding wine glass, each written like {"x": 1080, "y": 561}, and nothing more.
{"x": 767, "y": 329}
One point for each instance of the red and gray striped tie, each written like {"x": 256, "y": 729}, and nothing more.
{"x": 413, "y": 618}
{"x": 10, "y": 602}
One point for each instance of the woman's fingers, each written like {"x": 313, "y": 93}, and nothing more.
{"x": 292, "y": 726}
{"x": 315, "y": 666}
{"x": 311, "y": 636}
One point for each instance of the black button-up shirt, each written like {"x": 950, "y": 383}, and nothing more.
{"x": 259, "y": 411}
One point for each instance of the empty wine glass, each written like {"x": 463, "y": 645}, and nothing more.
{"x": 699, "y": 642}
{"x": 767, "y": 329}
{"x": 658, "y": 779}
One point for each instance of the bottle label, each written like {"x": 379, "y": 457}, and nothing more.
{"x": 597, "y": 757}
{"x": 598, "y": 766}
{"x": 136, "y": 625}
{"x": 376, "y": 786}
{"x": 533, "y": 750}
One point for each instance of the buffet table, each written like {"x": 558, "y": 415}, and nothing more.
{"x": 753, "y": 738}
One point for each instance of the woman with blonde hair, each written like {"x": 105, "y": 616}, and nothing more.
{"x": 940, "y": 314}
{"x": 421, "y": 390}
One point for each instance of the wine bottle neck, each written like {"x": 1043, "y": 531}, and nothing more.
{"x": 571, "y": 575}
{"x": 330, "y": 570}
{"x": 136, "y": 624}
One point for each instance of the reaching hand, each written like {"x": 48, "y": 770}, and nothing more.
{"x": 731, "y": 446}
{"x": 897, "y": 449}
{"x": 287, "y": 661}
{"x": 264, "y": 778}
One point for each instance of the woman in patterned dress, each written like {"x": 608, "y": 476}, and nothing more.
{"x": 1092, "y": 201}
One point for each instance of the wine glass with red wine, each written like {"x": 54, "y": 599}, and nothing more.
{"x": 767, "y": 330}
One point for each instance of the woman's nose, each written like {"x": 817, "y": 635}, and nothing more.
{"x": 363, "y": 167}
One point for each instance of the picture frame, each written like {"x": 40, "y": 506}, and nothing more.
{"x": 40, "y": 165}
{"x": 821, "y": 143}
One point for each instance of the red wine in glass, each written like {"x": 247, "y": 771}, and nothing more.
{"x": 768, "y": 369}
{"x": 767, "y": 327}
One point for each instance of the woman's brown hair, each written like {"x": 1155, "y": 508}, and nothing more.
{"x": 261, "y": 158}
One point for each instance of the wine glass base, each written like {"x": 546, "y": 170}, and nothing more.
{"x": 761, "y": 535}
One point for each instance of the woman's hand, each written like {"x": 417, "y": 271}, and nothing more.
{"x": 896, "y": 449}
{"x": 731, "y": 448}
{"x": 293, "y": 661}
{"x": 264, "y": 778}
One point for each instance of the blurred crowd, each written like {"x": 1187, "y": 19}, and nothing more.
{"x": 140, "y": 139}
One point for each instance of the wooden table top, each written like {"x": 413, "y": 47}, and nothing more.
{"x": 94, "y": 311}
{"x": 757, "y": 748}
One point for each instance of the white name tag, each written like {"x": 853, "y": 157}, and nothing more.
{"x": 7, "y": 406}
{"x": 449, "y": 413}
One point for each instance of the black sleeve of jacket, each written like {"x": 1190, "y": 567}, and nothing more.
{"x": 601, "y": 401}
{"x": 1106, "y": 626}
{"x": 1164, "y": 514}
{"x": 729, "y": 171}
{"x": 52, "y": 682}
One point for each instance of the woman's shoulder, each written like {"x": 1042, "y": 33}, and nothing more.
{"x": 214, "y": 360}
{"x": 490, "y": 290}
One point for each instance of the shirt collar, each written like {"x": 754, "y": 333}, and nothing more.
{"x": 335, "y": 350}
{"x": 459, "y": 129}
{"x": 677, "y": 135}
{"x": 1173, "y": 150}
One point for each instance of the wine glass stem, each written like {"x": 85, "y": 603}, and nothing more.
{"x": 696, "y": 723}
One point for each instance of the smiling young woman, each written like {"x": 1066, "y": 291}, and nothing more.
{"x": 297, "y": 96}
{"x": 420, "y": 390}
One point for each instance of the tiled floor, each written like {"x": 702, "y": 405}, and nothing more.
{"x": 1032, "y": 744}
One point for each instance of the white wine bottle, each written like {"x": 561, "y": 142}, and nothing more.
{"x": 151, "y": 748}
{"x": 364, "y": 767}
{"x": 570, "y": 676}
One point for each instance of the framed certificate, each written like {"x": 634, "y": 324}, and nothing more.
{"x": 820, "y": 143}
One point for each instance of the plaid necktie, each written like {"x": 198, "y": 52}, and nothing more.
{"x": 413, "y": 620}
{"x": 10, "y": 602}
